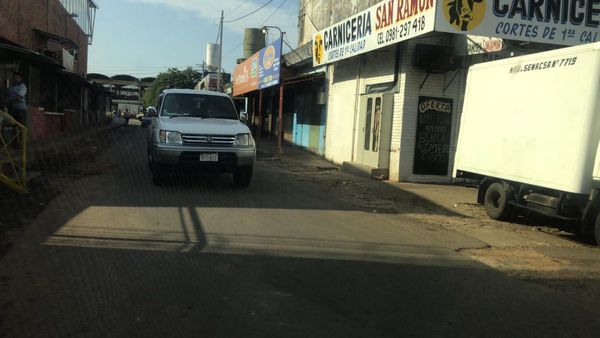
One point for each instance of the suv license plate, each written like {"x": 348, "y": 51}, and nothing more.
{"x": 209, "y": 157}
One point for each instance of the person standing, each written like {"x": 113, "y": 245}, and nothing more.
{"x": 127, "y": 116}
{"x": 17, "y": 106}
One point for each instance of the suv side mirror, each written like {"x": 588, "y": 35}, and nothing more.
{"x": 244, "y": 116}
{"x": 152, "y": 112}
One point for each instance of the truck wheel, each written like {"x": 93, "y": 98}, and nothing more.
{"x": 496, "y": 202}
{"x": 597, "y": 230}
{"x": 242, "y": 176}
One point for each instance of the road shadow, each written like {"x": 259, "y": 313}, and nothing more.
{"x": 149, "y": 293}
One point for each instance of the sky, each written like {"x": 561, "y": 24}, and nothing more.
{"x": 145, "y": 37}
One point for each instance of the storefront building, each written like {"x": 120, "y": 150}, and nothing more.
{"x": 47, "y": 42}
{"x": 305, "y": 110}
{"x": 396, "y": 72}
{"x": 258, "y": 79}
{"x": 287, "y": 102}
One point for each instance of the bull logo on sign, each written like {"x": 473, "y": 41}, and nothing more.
{"x": 465, "y": 14}
{"x": 318, "y": 49}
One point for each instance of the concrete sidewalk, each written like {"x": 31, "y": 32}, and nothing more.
{"x": 458, "y": 201}
{"x": 446, "y": 196}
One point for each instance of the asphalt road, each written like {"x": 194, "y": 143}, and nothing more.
{"x": 114, "y": 255}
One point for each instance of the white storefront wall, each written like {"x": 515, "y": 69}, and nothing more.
{"x": 349, "y": 79}
{"x": 341, "y": 109}
{"x": 359, "y": 54}
{"x": 405, "y": 112}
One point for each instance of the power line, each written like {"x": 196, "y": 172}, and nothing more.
{"x": 308, "y": 16}
{"x": 247, "y": 15}
{"x": 236, "y": 8}
{"x": 275, "y": 11}
{"x": 309, "y": 19}
{"x": 233, "y": 49}
{"x": 292, "y": 48}
{"x": 262, "y": 24}
{"x": 306, "y": 4}
{"x": 218, "y": 35}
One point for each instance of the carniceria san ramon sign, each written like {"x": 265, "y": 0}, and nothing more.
{"x": 558, "y": 22}
{"x": 383, "y": 24}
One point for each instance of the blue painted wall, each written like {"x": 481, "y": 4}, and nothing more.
{"x": 309, "y": 118}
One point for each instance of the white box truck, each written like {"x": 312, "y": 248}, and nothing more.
{"x": 529, "y": 134}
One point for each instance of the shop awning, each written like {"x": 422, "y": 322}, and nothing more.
{"x": 300, "y": 56}
{"x": 11, "y": 53}
{"x": 304, "y": 77}
{"x": 74, "y": 77}
{"x": 57, "y": 38}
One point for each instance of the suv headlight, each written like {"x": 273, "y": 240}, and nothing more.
{"x": 170, "y": 137}
{"x": 243, "y": 140}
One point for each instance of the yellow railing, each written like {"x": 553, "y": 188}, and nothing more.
{"x": 13, "y": 154}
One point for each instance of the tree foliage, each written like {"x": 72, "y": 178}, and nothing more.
{"x": 174, "y": 78}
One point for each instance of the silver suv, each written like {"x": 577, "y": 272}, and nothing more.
{"x": 200, "y": 129}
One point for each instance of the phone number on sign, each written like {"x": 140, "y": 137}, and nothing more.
{"x": 401, "y": 31}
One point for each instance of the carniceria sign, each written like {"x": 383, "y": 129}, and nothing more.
{"x": 383, "y": 24}
{"x": 559, "y": 22}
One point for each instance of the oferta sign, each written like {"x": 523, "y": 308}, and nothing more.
{"x": 559, "y": 22}
{"x": 383, "y": 24}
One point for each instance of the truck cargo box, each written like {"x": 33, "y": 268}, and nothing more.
{"x": 533, "y": 119}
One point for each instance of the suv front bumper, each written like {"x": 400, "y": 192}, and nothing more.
{"x": 182, "y": 154}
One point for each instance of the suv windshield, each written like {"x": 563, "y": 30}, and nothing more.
{"x": 203, "y": 106}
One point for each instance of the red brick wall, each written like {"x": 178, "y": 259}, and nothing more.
{"x": 18, "y": 19}
{"x": 44, "y": 126}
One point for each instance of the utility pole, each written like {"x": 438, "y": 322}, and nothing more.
{"x": 281, "y": 94}
{"x": 219, "y": 82}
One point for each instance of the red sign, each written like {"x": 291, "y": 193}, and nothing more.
{"x": 245, "y": 76}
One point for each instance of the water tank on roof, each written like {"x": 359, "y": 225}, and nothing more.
{"x": 212, "y": 56}
{"x": 254, "y": 40}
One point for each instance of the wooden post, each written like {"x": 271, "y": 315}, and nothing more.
{"x": 253, "y": 118}
{"x": 280, "y": 121}
{"x": 260, "y": 116}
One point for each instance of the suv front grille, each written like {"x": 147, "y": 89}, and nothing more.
{"x": 217, "y": 140}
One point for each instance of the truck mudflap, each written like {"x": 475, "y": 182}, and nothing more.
{"x": 483, "y": 185}
{"x": 589, "y": 215}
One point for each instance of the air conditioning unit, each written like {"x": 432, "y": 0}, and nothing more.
{"x": 68, "y": 60}
{"x": 434, "y": 58}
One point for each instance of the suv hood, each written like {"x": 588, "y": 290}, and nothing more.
{"x": 194, "y": 125}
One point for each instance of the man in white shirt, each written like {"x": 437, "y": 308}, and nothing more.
{"x": 17, "y": 107}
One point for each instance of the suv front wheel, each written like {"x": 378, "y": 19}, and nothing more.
{"x": 242, "y": 176}
{"x": 156, "y": 169}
